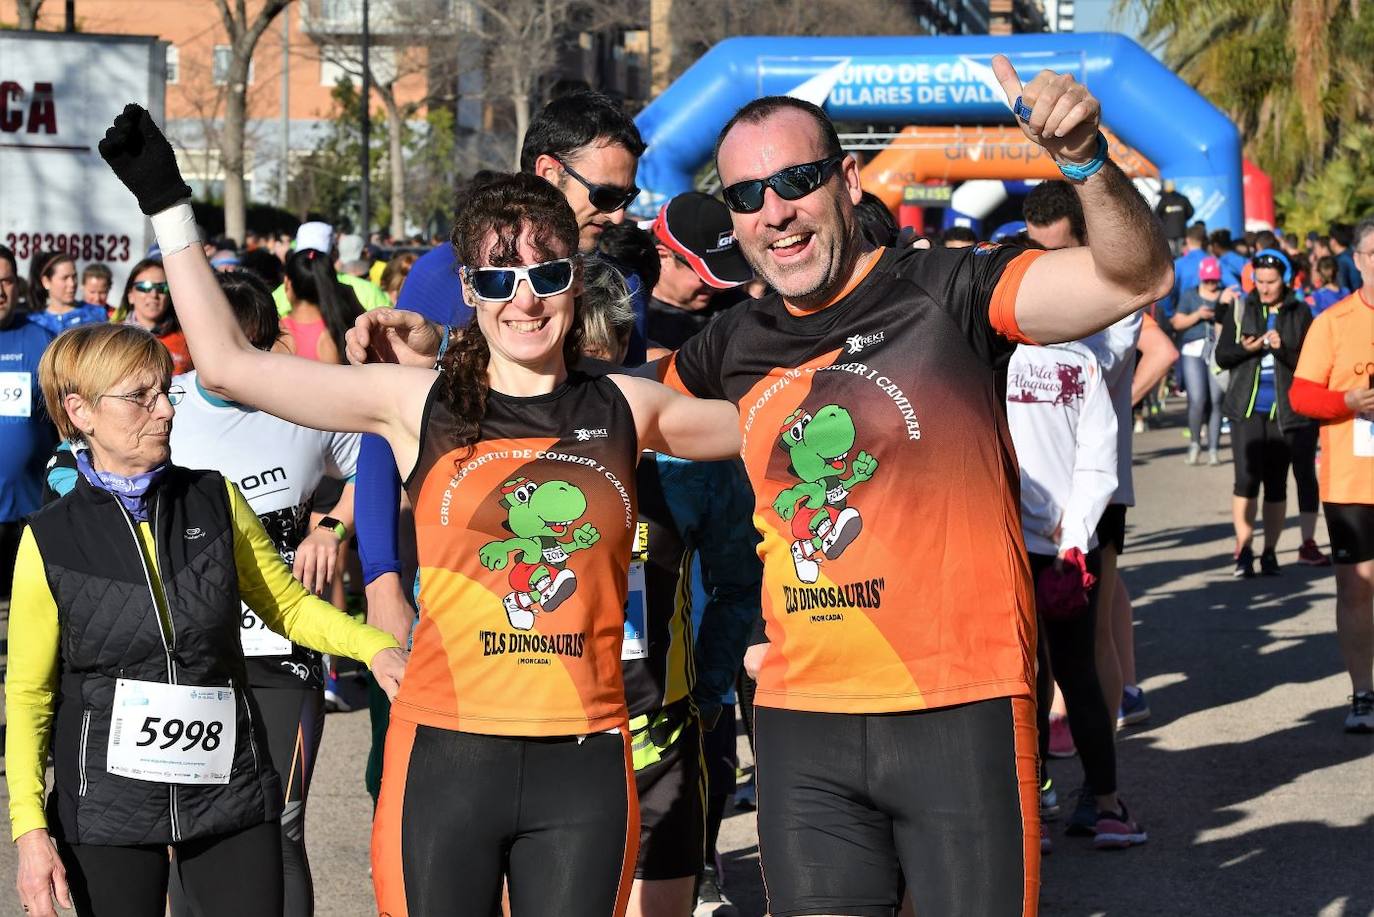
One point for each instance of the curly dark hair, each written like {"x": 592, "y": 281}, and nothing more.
{"x": 494, "y": 216}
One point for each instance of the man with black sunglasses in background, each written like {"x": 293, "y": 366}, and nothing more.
{"x": 894, "y": 722}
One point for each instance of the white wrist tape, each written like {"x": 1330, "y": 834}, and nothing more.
{"x": 175, "y": 228}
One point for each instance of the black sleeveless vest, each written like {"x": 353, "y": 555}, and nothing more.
{"x": 109, "y": 628}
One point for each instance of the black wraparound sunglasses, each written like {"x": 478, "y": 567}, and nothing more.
{"x": 791, "y": 183}
{"x": 605, "y": 198}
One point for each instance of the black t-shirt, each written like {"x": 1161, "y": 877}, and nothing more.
{"x": 885, "y": 480}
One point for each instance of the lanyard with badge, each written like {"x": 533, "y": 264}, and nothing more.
{"x": 16, "y": 394}
{"x": 165, "y": 733}
{"x": 636, "y": 645}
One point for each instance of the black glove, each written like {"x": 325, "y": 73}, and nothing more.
{"x": 143, "y": 160}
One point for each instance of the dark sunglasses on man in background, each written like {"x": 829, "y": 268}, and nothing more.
{"x": 605, "y": 198}
{"x": 498, "y": 284}
{"x": 791, "y": 183}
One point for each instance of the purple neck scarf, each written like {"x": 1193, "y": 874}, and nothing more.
{"x": 131, "y": 492}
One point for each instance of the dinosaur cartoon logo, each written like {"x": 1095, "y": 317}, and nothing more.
{"x": 823, "y": 522}
{"x": 541, "y": 518}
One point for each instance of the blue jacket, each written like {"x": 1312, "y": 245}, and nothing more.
{"x": 26, "y": 434}
{"x": 1347, "y": 275}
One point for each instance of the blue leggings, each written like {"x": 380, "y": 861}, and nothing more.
{"x": 1204, "y": 395}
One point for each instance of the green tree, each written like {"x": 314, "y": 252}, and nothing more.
{"x": 1294, "y": 75}
{"x": 326, "y": 181}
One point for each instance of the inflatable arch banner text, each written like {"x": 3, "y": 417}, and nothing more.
{"x": 945, "y": 80}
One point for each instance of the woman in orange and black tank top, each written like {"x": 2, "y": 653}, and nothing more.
{"x": 508, "y": 749}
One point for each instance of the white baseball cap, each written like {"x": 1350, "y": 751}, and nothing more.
{"x": 316, "y": 235}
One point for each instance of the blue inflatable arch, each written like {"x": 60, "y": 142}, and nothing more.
{"x": 946, "y": 80}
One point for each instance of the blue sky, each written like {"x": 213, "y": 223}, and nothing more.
{"x": 1099, "y": 16}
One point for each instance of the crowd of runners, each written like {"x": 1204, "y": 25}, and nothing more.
{"x": 611, "y": 488}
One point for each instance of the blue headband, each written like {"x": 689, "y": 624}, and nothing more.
{"x": 1275, "y": 253}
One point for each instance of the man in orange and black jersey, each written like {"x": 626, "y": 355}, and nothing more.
{"x": 1334, "y": 383}
{"x": 894, "y": 721}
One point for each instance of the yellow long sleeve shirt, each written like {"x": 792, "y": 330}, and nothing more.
{"x": 265, "y": 584}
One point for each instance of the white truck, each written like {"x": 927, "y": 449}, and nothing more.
{"x": 58, "y": 94}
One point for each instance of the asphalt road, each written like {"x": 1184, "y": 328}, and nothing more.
{"x": 1256, "y": 802}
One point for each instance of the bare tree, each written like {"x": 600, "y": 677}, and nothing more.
{"x": 244, "y": 30}
{"x": 523, "y": 40}
{"x": 696, "y": 25}
{"x": 28, "y": 13}
{"x": 415, "y": 34}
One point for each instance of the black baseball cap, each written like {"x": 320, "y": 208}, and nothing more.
{"x": 697, "y": 227}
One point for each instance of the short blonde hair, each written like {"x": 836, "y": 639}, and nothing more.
{"x": 89, "y": 359}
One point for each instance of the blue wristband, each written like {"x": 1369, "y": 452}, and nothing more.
{"x": 1081, "y": 173}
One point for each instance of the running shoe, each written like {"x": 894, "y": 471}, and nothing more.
{"x": 1361, "y": 715}
{"x": 1225, "y": 426}
{"x": 1049, "y": 802}
{"x": 1061, "y": 740}
{"x": 1245, "y": 563}
{"x": 1213, "y": 458}
{"x": 711, "y": 900}
{"x": 1269, "y": 564}
{"x": 1194, "y": 453}
{"x": 1083, "y": 820}
{"x": 333, "y": 696}
{"x": 1117, "y": 830}
{"x": 1140, "y": 425}
{"x": 1310, "y": 555}
{"x": 747, "y": 797}
{"x": 1046, "y": 845}
{"x": 1134, "y": 707}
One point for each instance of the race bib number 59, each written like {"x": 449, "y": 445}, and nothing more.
{"x": 172, "y": 733}
{"x": 16, "y": 394}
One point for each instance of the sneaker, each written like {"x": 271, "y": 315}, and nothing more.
{"x": 1311, "y": 556}
{"x": 711, "y": 900}
{"x": 1245, "y": 563}
{"x": 334, "y": 702}
{"x": 1269, "y": 564}
{"x": 1117, "y": 830}
{"x": 747, "y": 796}
{"x": 1083, "y": 820}
{"x": 1361, "y": 715}
{"x": 1140, "y": 425}
{"x": 1194, "y": 453}
{"x": 1134, "y": 707}
{"x": 1061, "y": 740}
{"x": 1225, "y": 426}
{"x": 1213, "y": 458}
{"x": 1046, "y": 845}
{"x": 1049, "y": 802}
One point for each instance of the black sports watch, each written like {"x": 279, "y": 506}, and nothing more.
{"x": 335, "y": 526}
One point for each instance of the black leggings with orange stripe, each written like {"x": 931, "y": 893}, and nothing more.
{"x": 557, "y": 816}
{"x": 850, "y": 804}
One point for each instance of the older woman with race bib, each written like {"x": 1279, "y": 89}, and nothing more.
{"x": 124, "y": 655}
